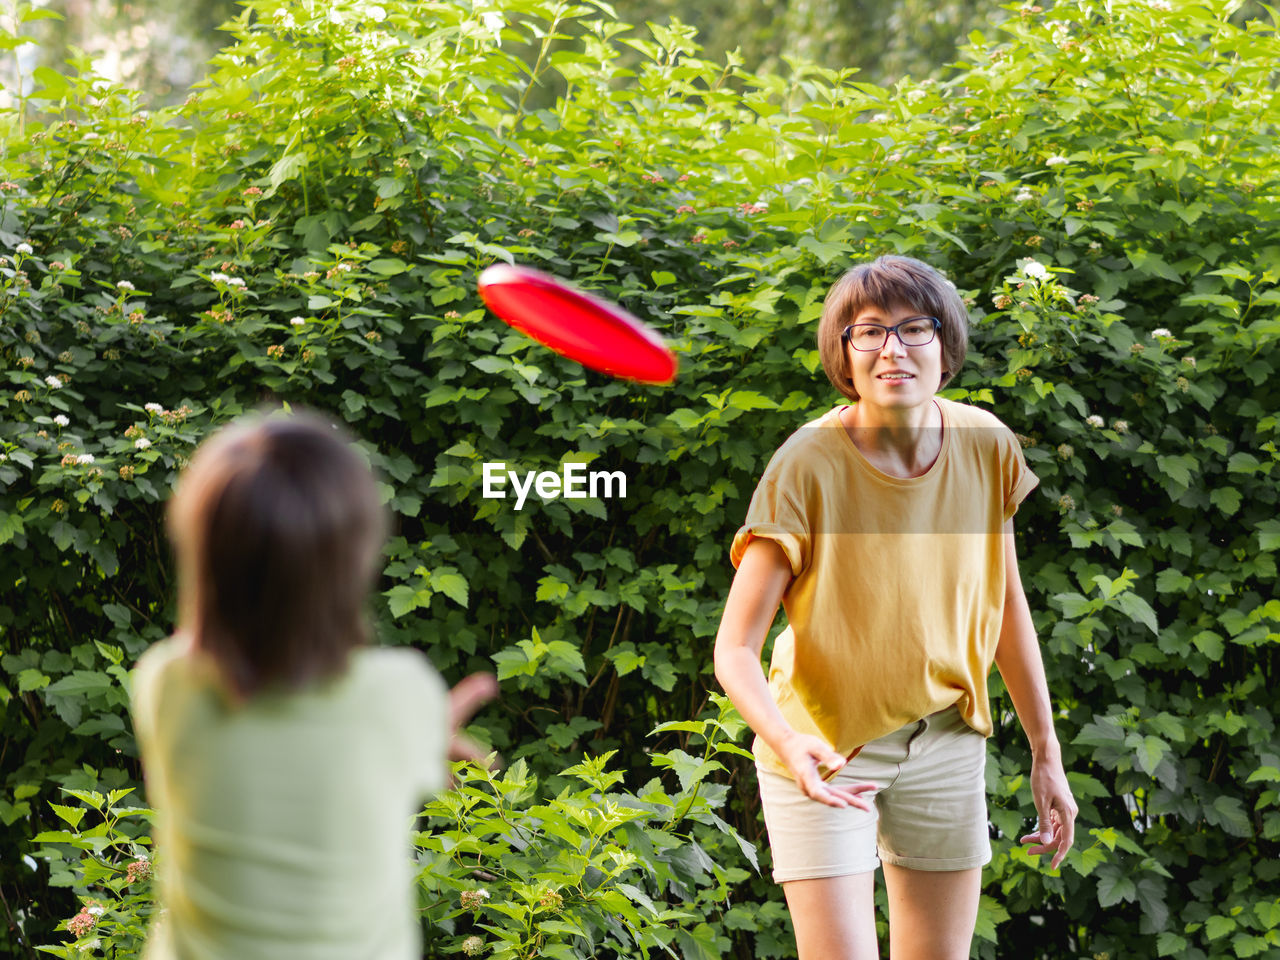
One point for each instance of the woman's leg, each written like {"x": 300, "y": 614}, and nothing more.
{"x": 931, "y": 913}
{"x": 834, "y": 917}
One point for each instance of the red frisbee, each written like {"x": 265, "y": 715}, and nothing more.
{"x": 577, "y": 325}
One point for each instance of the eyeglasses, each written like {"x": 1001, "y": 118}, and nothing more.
{"x": 915, "y": 332}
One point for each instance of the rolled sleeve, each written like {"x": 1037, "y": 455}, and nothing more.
{"x": 1018, "y": 480}
{"x": 774, "y": 516}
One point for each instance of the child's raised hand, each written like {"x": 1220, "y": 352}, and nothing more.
{"x": 470, "y": 694}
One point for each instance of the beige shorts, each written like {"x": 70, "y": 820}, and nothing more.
{"x": 929, "y": 811}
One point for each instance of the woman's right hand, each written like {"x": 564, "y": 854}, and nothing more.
{"x": 803, "y": 753}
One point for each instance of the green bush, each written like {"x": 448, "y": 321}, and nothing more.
{"x": 354, "y": 170}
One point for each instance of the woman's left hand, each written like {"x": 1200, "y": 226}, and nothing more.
{"x": 1055, "y": 808}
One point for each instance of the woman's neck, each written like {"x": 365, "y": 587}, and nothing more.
{"x": 900, "y": 441}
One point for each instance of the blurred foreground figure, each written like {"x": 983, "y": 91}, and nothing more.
{"x": 284, "y": 756}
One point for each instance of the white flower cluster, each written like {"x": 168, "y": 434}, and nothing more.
{"x": 1160, "y": 333}
{"x": 1033, "y": 270}
{"x": 228, "y": 280}
{"x": 1095, "y": 421}
{"x": 85, "y": 458}
{"x": 142, "y": 443}
{"x": 1025, "y": 195}
{"x": 24, "y": 248}
{"x": 1056, "y": 161}
{"x": 153, "y": 408}
{"x": 62, "y": 420}
{"x": 53, "y": 382}
{"x": 125, "y": 285}
{"x": 298, "y": 321}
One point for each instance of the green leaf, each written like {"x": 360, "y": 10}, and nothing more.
{"x": 31, "y": 679}
{"x": 1151, "y": 751}
{"x": 1209, "y": 643}
{"x": 552, "y": 590}
{"x": 1269, "y": 535}
{"x": 72, "y": 815}
{"x": 1226, "y": 499}
{"x": 750, "y": 400}
{"x": 388, "y": 267}
{"x": 1139, "y": 610}
{"x": 991, "y": 913}
{"x": 1217, "y": 927}
{"x": 286, "y": 168}
{"x": 1074, "y": 605}
{"x": 1170, "y": 580}
{"x": 452, "y": 584}
{"x": 1176, "y": 468}
{"x": 1114, "y": 886}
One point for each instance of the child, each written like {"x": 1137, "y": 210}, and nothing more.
{"x": 885, "y": 529}
{"x": 284, "y": 757}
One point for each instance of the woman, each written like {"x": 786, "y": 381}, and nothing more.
{"x": 885, "y": 529}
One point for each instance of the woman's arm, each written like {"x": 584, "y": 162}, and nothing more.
{"x": 761, "y": 580}
{"x": 1022, "y": 669}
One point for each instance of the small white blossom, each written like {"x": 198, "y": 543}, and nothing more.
{"x": 1160, "y": 5}
{"x": 1094, "y": 245}
{"x": 94, "y": 911}
{"x": 1024, "y": 195}
{"x": 23, "y": 248}
{"x": 61, "y": 420}
{"x": 1056, "y": 161}
{"x": 235, "y": 282}
{"x": 914, "y": 96}
{"x": 153, "y": 408}
{"x": 85, "y": 946}
{"x": 87, "y": 458}
{"x": 219, "y": 277}
{"x": 3, "y": 457}
{"x": 880, "y": 118}
{"x": 142, "y": 443}
{"x": 53, "y": 382}
{"x": 298, "y": 321}
{"x": 1095, "y": 421}
{"x": 125, "y": 285}
{"x": 1160, "y": 332}
{"x": 1033, "y": 269}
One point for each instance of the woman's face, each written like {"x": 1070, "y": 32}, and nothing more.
{"x": 894, "y": 375}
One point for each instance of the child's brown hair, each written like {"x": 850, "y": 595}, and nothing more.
{"x": 277, "y": 525}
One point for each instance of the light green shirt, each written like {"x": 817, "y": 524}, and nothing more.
{"x": 283, "y": 824}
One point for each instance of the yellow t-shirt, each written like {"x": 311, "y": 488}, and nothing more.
{"x": 897, "y": 595}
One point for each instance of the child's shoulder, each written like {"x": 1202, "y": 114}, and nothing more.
{"x": 162, "y": 657}
{"x": 399, "y": 666}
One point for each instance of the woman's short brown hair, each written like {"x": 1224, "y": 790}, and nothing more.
{"x": 277, "y": 526}
{"x": 888, "y": 282}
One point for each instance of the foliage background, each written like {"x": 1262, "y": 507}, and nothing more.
{"x": 356, "y": 168}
